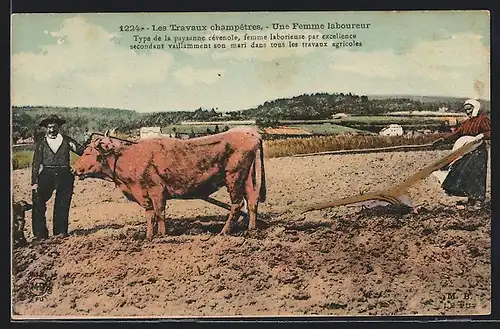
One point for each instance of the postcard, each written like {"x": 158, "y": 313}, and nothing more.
{"x": 250, "y": 164}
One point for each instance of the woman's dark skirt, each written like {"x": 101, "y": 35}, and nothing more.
{"x": 467, "y": 176}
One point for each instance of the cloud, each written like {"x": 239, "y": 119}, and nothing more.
{"x": 189, "y": 76}
{"x": 463, "y": 50}
{"x": 86, "y": 65}
{"x": 455, "y": 65}
{"x": 90, "y": 58}
{"x": 383, "y": 64}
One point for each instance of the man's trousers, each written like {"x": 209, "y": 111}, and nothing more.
{"x": 60, "y": 180}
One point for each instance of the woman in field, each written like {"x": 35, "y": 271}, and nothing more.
{"x": 467, "y": 176}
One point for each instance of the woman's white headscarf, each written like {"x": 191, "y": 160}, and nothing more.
{"x": 475, "y": 104}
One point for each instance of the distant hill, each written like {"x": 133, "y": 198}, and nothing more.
{"x": 317, "y": 106}
{"x": 432, "y": 99}
{"x": 324, "y": 105}
{"x": 80, "y": 120}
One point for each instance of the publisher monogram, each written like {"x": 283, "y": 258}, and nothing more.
{"x": 39, "y": 287}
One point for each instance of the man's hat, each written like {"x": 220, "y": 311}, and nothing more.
{"x": 52, "y": 119}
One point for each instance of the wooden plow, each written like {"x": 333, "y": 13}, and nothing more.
{"x": 208, "y": 199}
{"x": 396, "y": 195}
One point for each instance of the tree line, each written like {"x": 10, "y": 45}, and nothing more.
{"x": 317, "y": 106}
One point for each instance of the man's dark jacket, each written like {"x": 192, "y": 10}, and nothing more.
{"x": 45, "y": 157}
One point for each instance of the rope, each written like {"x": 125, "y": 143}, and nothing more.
{"x": 370, "y": 150}
{"x": 118, "y": 138}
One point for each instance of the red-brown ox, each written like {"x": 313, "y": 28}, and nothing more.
{"x": 154, "y": 170}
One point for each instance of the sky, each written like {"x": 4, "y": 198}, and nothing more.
{"x": 84, "y": 60}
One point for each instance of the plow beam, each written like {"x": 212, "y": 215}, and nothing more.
{"x": 396, "y": 194}
{"x": 223, "y": 205}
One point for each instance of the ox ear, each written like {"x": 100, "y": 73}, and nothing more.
{"x": 104, "y": 148}
{"x": 88, "y": 136}
{"x": 107, "y": 145}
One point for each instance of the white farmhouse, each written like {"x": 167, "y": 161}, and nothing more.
{"x": 340, "y": 115}
{"x": 392, "y": 130}
{"x": 150, "y": 132}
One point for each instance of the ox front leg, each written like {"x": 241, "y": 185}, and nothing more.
{"x": 162, "y": 230}
{"x": 252, "y": 196}
{"x": 150, "y": 217}
{"x": 159, "y": 200}
{"x": 234, "y": 214}
{"x": 252, "y": 210}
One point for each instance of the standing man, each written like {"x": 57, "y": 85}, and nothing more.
{"x": 51, "y": 171}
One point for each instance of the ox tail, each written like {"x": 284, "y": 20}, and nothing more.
{"x": 260, "y": 164}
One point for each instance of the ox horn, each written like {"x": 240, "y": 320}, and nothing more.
{"x": 106, "y": 133}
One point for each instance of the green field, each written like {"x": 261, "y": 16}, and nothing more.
{"x": 364, "y": 119}
{"x": 325, "y": 129}
{"x": 321, "y": 128}
{"x": 293, "y": 146}
{"x": 387, "y": 119}
{"x": 24, "y": 159}
{"x": 186, "y": 129}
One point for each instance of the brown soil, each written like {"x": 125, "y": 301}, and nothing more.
{"x": 338, "y": 261}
